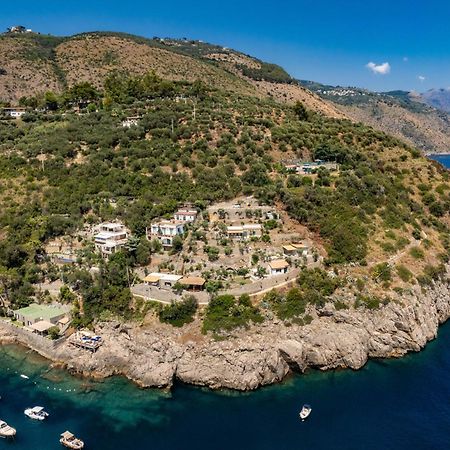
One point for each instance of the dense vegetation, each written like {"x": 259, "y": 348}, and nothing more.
{"x": 225, "y": 313}
{"x": 60, "y": 169}
{"x": 178, "y": 314}
{"x": 314, "y": 287}
{"x": 266, "y": 72}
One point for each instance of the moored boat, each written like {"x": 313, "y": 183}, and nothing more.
{"x": 70, "y": 441}
{"x": 36, "y": 413}
{"x": 6, "y": 430}
{"x": 305, "y": 412}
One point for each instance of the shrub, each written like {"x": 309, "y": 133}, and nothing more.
{"x": 53, "y": 332}
{"x": 416, "y": 253}
{"x": 179, "y": 313}
{"x": 225, "y": 313}
{"x": 382, "y": 272}
{"x": 404, "y": 273}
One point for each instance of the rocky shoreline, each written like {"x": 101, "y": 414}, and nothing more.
{"x": 156, "y": 355}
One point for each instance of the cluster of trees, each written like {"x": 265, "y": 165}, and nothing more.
{"x": 211, "y": 147}
{"x": 314, "y": 287}
{"x": 266, "y": 72}
{"x": 179, "y": 313}
{"x": 225, "y": 313}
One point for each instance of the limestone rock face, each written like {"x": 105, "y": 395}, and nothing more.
{"x": 158, "y": 355}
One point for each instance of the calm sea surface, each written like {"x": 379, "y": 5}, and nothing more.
{"x": 395, "y": 404}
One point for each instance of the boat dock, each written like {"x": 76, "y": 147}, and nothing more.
{"x": 86, "y": 341}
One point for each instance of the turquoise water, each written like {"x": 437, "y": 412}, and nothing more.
{"x": 395, "y": 404}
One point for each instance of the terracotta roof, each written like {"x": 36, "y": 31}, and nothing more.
{"x": 152, "y": 278}
{"x": 41, "y": 326}
{"x": 193, "y": 281}
{"x": 278, "y": 264}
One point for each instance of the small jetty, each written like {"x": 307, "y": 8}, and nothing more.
{"x": 86, "y": 340}
{"x": 70, "y": 441}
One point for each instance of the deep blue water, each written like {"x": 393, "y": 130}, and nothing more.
{"x": 443, "y": 159}
{"x": 395, "y": 404}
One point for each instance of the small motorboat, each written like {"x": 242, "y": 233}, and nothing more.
{"x": 36, "y": 413}
{"x": 70, "y": 441}
{"x": 25, "y": 377}
{"x": 305, "y": 412}
{"x": 6, "y": 430}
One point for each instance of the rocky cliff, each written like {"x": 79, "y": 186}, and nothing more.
{"x": 155, "y": 357}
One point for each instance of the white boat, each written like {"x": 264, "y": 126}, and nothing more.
{"x": 36, "y": 413}
{"x": 70, "y": 441}
{"x": 6, "y": 430}
{"x": 305, "y": 412}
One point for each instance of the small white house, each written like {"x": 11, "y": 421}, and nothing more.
{"x": 15, "y": 113}
{"x": 186, "y": 215}
{"x": 130, "y": 122}
{"x": 110, "y": 238}
{"x": 165, "y": 231}
{"x": 244, "y": 232}
{"x": 278, "y": 267}
{"x": 162, "y": 280}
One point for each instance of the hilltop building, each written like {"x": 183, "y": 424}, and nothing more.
{"x": 165, "y": 231}
{"x": 15, "y": 113}
{"x": 130, "y": 122}
{"x": 186, "y": 215}
{"x": 278, "y": 267}
{"x": 110, "y": 238}
{"x": 244, "y": 232}
{"x": 162, "y": 280}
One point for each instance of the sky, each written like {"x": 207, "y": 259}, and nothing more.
{"x": 379, "y": 45}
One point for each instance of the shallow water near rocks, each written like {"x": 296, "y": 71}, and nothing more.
{"x": 395, "y": 404}
{"x": 389, "y": 404}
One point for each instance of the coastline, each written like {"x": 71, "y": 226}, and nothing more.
{"x": 156, "y": 356}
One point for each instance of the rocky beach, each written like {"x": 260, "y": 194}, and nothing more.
{"x": 156, "y": 356}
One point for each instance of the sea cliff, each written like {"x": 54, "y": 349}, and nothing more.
{"x": 156, "y": 356}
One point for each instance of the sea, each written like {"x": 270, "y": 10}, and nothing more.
{"x": 401, "y": 404}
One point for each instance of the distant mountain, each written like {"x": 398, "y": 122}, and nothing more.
{"x": 438, "y": 98}
{"x": 406, "y": 115}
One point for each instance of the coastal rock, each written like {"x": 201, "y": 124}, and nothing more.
{"x": 156, "y": 355}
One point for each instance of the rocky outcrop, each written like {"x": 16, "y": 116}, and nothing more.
{"x": 157, "y": 355}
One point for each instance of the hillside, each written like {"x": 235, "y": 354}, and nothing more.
{"x": 402, "y": 114}
{"x": 33, "y": 64}
{"x": 371, "y": 220}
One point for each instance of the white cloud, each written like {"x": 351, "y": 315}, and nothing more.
{"x": 421, "y": 78}
{"x": 381, "y": 69}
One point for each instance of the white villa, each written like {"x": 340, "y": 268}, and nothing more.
{"x": 110, "y": 238}
{"x": 186, "y": 215}
{"x": 165, "y": 231}
{"x": 244, "y": 232}
{"x": 278, "y": 267}
{"x": 130, "y": 122}
{"x": 16, "y": 113}
{"x": 162, "y": 280}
